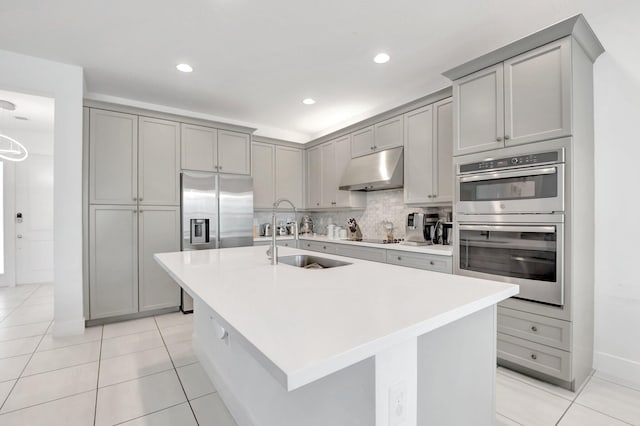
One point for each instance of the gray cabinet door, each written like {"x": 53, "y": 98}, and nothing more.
{"x": 367, "y": 253}
{"x": 113, "y": 260}
{"x": 199, "y": 148}
{"x": 342, "y": 150}
{"x": 113, "y": 162}
{"x": 537, "y": 90}
{"x": 159, "y": 232}
{"x": 159, "y": 162}
{"x": 418, "y": 155}
{"x": 443, "y": 152}
{"x": 262, "y": 170}
{"x": 362, "y": 142}
{"x": 479, "y": 111}
{"x": 234, "y": 152}
{"x": 289, "y": 174}
{"x": 388, "y": 133}
{"x": 314, "y": 177}
{"x": 329, "y": 180}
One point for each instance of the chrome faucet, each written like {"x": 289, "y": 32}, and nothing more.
{"x": 272, "y": 252}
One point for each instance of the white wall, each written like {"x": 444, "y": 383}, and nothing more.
{"x": 617, "y": 150}
{"x": 64, "y": 83}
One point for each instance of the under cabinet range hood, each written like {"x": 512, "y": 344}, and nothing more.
{"x": 374, "y": 172}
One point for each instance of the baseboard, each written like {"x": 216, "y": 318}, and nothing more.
{"x": 236, "y": 409}
{"x": 68, "y": 328}
{"x": 617, "y": 369}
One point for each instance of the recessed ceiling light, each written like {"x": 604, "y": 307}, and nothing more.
{"x": 308, "y": 101}
{"x": 381, "y": 58}
{"x": 20, "y": 117}
{"x": 184, "y": 67}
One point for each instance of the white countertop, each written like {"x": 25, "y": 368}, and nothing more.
{"x": 303, "y": 324}
{"x": 438, "y": 249}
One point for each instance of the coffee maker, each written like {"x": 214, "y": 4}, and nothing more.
{"x": 420, "y": 229}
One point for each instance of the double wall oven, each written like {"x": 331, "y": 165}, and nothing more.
{"x": 510, "y": 220}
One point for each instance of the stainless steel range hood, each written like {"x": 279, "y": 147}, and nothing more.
{"x": 374, "y": 172}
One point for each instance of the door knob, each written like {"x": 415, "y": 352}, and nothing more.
{"x": 19, "y": 236}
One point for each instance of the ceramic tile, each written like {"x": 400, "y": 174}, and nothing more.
{"x": 176, "y": 334}
{"x": 131, "y": 343}
{"x": 129, "y": 327}
{"x": 134, "y": 365}
{"x": 527, "y": 404}
{"x": 195, "y": 381}
{"x": 73, "y": 410}
{"x": 17, "y": 332}
{"x": 614, "y": 400}
{"x": 5, "y": 388}
{"x": 504, "y": 421}
{"x": 52, "y": 385}
{"x": 182, "y": 354}
{"x": 173, "y": 319}
{"x": 26, "y": 345}
{"x": 176, "y": 415}
{"x": 91, "y": 334}
{"x": 577, "y": 415}
{"x": 10, "y": 368}
{"x": 556, "y": 390}
{"x": 42, "y": 300}
{"x": 211, "y": 411}
{"x": 28, "y": 315}
{"x": 139, "y": 397}
{"x": 63, "y": 357}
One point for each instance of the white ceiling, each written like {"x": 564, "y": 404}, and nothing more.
{"x": 256, "y": 60}
{"x": 38, "y": 109}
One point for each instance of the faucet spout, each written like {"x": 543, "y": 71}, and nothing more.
{"x": 273, "y": 249}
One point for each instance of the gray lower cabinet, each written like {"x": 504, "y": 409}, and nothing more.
{"x": 544, "y": 359}
{"x": 159, "y": 232}
{"x": 318, "y": 246}
{"x": 280, "y": 243}
{"x": 113, "y": 260}
{"x": 365, "y": 253}
{"x": 537, "y": 328}
{"x": 429, "y": 262}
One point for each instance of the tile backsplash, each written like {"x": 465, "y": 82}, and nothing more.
{"x": 381, "y": 206}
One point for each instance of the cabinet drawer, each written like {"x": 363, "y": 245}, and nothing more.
{"x": 544, "y": 330}
{"x": 287, "y": 243}
{"x": 421, "y": 261}
{"x": 551, "y": 361}
{"x": 366, "y": 253}
{"x": 318, "y": 246}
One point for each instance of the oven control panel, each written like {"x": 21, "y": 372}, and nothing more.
{"x": 508, "y": 162}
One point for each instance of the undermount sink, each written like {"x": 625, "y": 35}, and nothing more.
{"x": 311, "y": 262}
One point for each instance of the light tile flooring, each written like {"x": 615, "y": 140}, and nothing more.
{"x": 143, "y": 372}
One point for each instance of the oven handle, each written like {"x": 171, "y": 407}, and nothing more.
{"x": 507, "y": 228}
{"x": 506, "y": 175}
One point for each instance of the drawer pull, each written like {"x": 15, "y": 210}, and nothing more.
{"x": 534, "y": 328}
{"x": 431, "y": 262}
{"x": 399, "y": 258}
{"x": 308, "y": 245}
{"x": 534, "y": 356}
{"x": 324, "y": 247}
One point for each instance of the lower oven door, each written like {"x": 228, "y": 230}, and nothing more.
{"x": 528, "y": 255}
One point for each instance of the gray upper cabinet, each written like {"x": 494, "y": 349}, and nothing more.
{"x": 443, "y": 152}
{"x": 388, "y": 133}
{"x": 263, "y": 172}
{"x": 362, "y": 142}
{"x": 234, "y": 152}
{"x": 159, "y": 162}
{"x": 537, "y": 90}
{"x": 159, "y": 232}
{"x": 289, "y": 174}
{"x": 199, "y": 148}
{"x": 314, "y": 180}
{"x": 479, "y": 111}
{"x": 329, "y": 180}
{"x": 418, "y": 155}
{"x": 113, "y": 157}
{"x": 113, "y": 260}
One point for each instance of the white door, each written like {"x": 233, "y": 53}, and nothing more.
{"x": 34, "y": 232}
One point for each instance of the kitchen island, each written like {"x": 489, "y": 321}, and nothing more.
{"x": 361, "y": 344}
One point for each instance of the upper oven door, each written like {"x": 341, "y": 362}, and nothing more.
{"x": 519, "y": 190}
{"x": 528, "y": 255}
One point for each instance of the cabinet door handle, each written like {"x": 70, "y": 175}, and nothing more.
{"x": 431, "y": 262}
{"x": 429, "y": 196}
{"x": 534, "y": 328}
{"x": 375, "y": 147}
{"x": 534, "y": 356}
{"x": 317, "y": 204}
{"x": 134, "y": 211}
{"x": 308, "y": 245}
{"x": 498, "y": 139}
{"x": 507, "y": 137}
{"x": 141, "y": 211}
{"x": 135, "y": 198}
{"x": 372, "y": 148}
{"x": 324, "y": 247}
{"x": 219, "y": 167}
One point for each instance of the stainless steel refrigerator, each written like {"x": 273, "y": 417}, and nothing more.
{"x": 217, "y": 212}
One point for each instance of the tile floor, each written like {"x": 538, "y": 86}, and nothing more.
{"x": 143, "y": 372}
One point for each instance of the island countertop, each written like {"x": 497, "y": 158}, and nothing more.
{"x": 303, "y": 324}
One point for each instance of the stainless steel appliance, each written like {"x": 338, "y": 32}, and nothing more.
{"x": 521, "y": 249}
{"x": 217, "y": 212}
{"x": 373, "y": 172}
{"x": 443, "y": 233}
{"x": 527, "y": 183}
{"x": 415, "y": 229}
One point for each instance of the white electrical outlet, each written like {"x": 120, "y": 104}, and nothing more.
{"x": 398, "y": 404}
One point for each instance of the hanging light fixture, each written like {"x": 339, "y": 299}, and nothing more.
{"x": 10, "y": 149}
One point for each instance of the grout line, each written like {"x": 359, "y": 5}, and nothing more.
{"x": 507, "y": 417}
{"x": 95, "y": 406}
{"x": 615, "y": 383}
{"x": 176, "y": 371}
{"x": 46, "y": 402}
{"x": 148, "y": 414}
{"x": 564, "y": 413}
{"x": 20, "y": 305}
{"x": 540, "y": 388}
{"x": 604, "y": 414}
